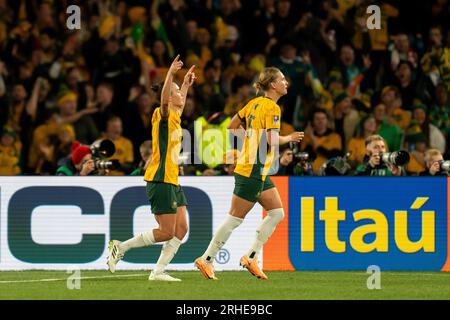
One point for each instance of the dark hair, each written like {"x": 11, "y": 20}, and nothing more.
{"x": 318, "y": 110}
{"x": 408, "y": 63}
{"x": 113, "y": 39}
{"x": 238, "y": 82}
{"x": 50, "y": 32}
{"x": 107, "y": 85}
{"x": 70, "y": 69}
{"x": 425, "y": 126}
{"x": 48, "y": 113}
{"x": 359, "y": 132}
{"x": 346, "y": 44}
{"x": 209, "y": 65}
{"x": 287, "y": 43}
{"x": 113, "y": 118}
{"x": 19, "y": 83}
{"x": 436, "y": 26}
{"x": 284, "y": 148}
{"x": 401, "y": 32}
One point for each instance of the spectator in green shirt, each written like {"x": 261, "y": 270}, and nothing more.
{"x": 387, "y": 129}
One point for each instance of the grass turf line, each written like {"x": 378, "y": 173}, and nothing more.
{"x": 232, "y": 285}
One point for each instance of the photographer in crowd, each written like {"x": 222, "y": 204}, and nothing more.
{"x": 301, "y": 160}
{"x": 378, "y": 162}
{"x": 286, "y": 163}
{"x": 435, "y": 164}
{"x": 292, "y": 162}
{"x": 79, "y": 163}
{"x": 89, "y": 160}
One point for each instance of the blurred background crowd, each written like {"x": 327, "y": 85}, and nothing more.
{"x": 347, "y": 82}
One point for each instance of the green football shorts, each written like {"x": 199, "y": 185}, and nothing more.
{"x": 250, "y": 188}
{"x": 165, "y": 197}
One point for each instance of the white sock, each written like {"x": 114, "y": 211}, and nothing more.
{"x": 221, "y": 236}
{"x": 143, "y": 239}
{"x": 265, "y": 230}
{"x": 168, "y": 251}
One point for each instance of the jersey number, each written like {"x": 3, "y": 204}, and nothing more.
{"x": 249, "y": 130}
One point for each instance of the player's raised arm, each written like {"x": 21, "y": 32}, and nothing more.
{"x": 188, "y": 81}
{"x": 236, "y": 127}
{"x": 176, "y": 65}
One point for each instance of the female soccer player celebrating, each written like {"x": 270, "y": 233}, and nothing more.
{"x": 262, "y": 118}
{"x": 166, "y": 197}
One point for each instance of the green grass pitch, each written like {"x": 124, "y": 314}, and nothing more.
{"x": 232, "y": 285}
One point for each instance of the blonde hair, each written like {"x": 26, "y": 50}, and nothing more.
{"x": 266, "y": 77}
{"x": 431, "y": 153}
{"x": 375, "y": 137}
{"x": 146, "y": 145}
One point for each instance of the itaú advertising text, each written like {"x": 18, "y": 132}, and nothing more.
{"x": 351, "y": 223}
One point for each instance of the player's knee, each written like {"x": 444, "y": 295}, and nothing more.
{"x": 167, "y": 234}
{"x": 237, "y": 212}
{"x": 276, "y": 214}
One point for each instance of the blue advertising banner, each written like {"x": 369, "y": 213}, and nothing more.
{"x": 351, "y": 223}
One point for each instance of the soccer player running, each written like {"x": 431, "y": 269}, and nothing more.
{"x": 166, "y": 196}
{"x": 262, "y": 118}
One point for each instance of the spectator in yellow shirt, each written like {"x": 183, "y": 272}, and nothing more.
{"x": 357, "y": 144}
{"x": 9, "y": 153}
{"x": 436, "y": 62}
{"x": 391, "y": 97}
{"x": 124, "y": 147}
{"x": 434, "y": 138}
{"x": 320, "y": 141}
{"x": 47, "y": 144}
{"x": 345, "y": 117}
{"x": 415, "y": 143}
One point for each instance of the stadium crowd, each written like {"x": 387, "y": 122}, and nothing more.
{"x": 347, "y": 82}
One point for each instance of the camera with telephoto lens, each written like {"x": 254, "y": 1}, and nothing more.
{"x": 102, "y": 149}
{"x": 444, "y": 166}
{"x": 336, "y": 166}
{"x": 299, "y": 157}
{"x": 396, "y": 158}
{"x": 106, "y": 164}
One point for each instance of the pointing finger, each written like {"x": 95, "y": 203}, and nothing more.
{"x": 191, "y": 69}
